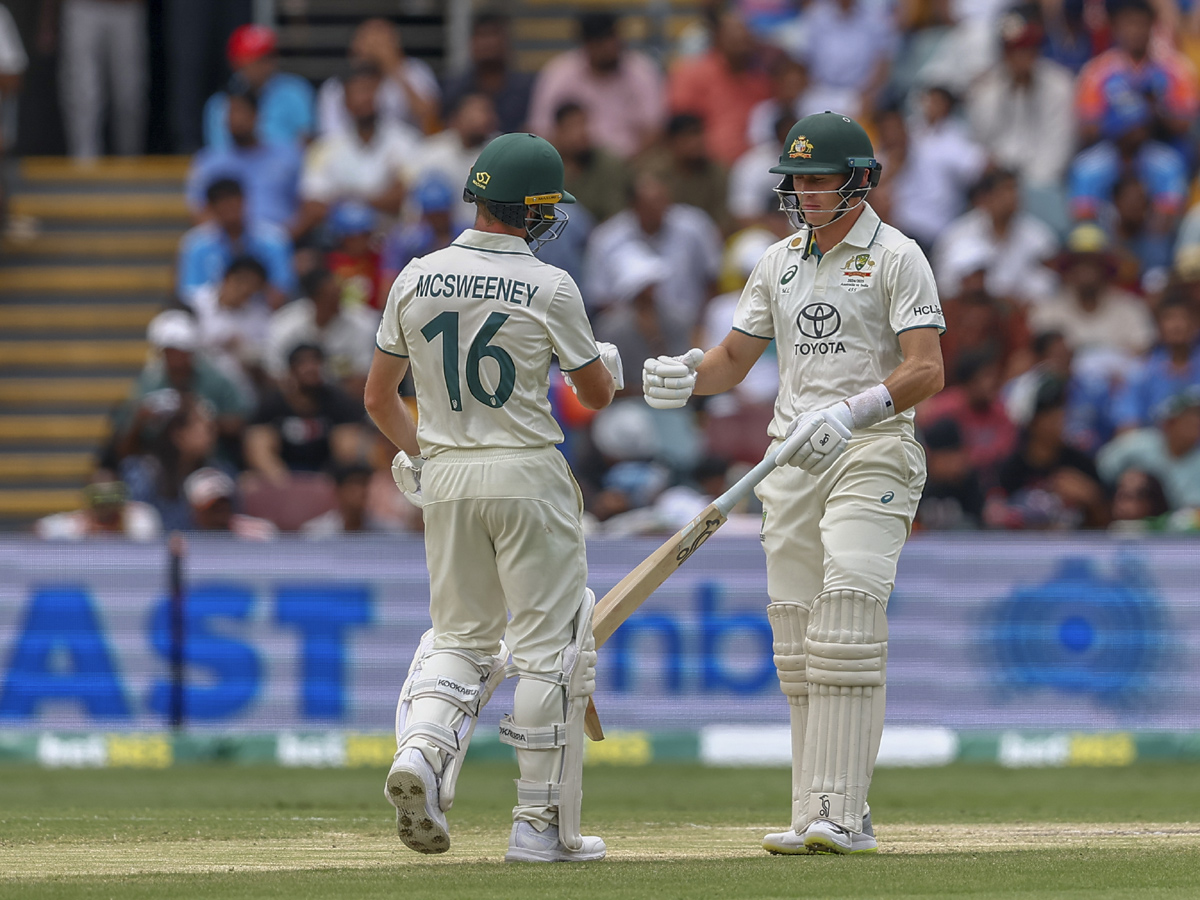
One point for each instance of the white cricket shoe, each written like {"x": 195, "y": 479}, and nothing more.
{"x": 412, "y": 788}
{"x": 527, "y": 844}
{"x": 790, "y": 843}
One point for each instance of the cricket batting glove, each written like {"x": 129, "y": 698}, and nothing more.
{"x": 407, "y": 473}
{"x": 612, "y": 361}
{"x": 668, "y": 381}
{"x": 828, "y": 432}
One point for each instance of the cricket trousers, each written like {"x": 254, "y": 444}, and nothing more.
{"x": 503, "y": 537}
{"x": 833, "y": 541}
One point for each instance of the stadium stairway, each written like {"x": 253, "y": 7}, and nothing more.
{"x": 84, "y": 266}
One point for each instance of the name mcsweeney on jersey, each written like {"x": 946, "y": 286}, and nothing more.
{"x": 476, "y": 287}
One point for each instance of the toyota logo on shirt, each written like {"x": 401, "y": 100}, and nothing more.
{"x": 819, "y": 320}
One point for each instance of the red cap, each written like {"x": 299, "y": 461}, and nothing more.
{"x": 248, "y": 43}
{"x": 1018, "y": 31}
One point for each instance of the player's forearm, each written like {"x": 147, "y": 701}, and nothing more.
{"x": 391, "y": 417}
{"x": 914, "y": 380}
{"x": 725, "y": 365}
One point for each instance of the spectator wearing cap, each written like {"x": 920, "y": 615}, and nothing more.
{"x": 1019, "y": 243}
{"x": 185, "y": 444}
{"x": 1170, "y": 450}
{"x": 974, "y": 403}
{"x": 953, "y": 497}
{"x": 346, "y": 336}
{"x": 597, "y": 178}
{"x": 1126, "y": 146}
{"x": 269, "y": 174}
{"x": 451, "y": 153}
{"x": 307, "y": 424}
{"x": 364, "y": 163}
{"x": 849, "y": 49}
{"x": 1022, "y": 110}
{"x": 1046, "y": 484}
{"x": 620, "y": 89}
{"x": 689, "y": 172}
{"x": 1171, "y": 368}
{"x": 285, "y": 101}
{"x": 941, "y": 164}
{"x": 682, "y": 236}
{"x": 355, "y": 257}
{"x": 351, "y": 515}
{"x": 211, "y": 495}
{"x": 434, "y": 199}
{"x": 107, "y": 511}
{"x": 1089, "y": 311}
{"x": 406, "y": 93}
{"x": 175, "y": 370}
{"x": 232, "y": 320}
{"x": 207, "y": 249}
{"x": 1136, "y": 64}
{"x": 752, "y": 201}
{"x": 721, "y": 87}
{"x": 490, "y": 72}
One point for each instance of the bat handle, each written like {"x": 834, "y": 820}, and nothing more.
{"x": 591, "y": 722}
{"x": 732, "y": 497}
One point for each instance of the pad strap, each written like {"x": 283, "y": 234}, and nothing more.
{"x": 535, "y": 737}
{"x": 538, "y": 793}
{"x": 439, "y": 735}
{"x": 464, "y": 696}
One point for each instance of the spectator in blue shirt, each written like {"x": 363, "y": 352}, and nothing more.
{"x": 490, "y": 72}
{"x": 436, "y": 228}
{"x": 207, "y": 250}
{"x": 270, "y": 174}
{"x": 1172, "y": 367}
{"x": 285, "y": 101}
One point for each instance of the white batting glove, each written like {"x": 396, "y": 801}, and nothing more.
{"x": 406, "y": 472}
{"x": 828, "y": 433}
{"x": 611, "y": 357}
{"x": 668, "y": 381}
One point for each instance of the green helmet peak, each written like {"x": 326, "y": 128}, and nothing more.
{"x": 518, "y": 168}
{"x": 827, "y": 143}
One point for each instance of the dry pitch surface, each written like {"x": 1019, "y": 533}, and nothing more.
{"x": 672, "y": 832}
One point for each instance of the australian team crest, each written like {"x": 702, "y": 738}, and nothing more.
{"x": 856, "y": 272}
{"x": 862, "y": 261}
{"x": 801, "y": 148}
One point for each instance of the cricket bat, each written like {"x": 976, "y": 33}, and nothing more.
{"x": 635, "y": 588}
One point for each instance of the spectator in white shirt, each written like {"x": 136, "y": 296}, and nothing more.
{"x": 449, "y": 155}
{"x": 107, "y": 512}
{"x": 346, "y": 336}
{"x": 941, "y": 164}
{"x": 752, "y": 198}
{"x": 407, "y": 93}
{"x": 1021, "y": 244}
{"x": 232, "y": 319}
{"x": 683, "y": 236}
{"x": 363, "y": 163}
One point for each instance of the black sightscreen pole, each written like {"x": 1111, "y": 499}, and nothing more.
{"x": 176, "y": 547}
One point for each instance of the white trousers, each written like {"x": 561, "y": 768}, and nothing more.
{"x": 103, "y": 61}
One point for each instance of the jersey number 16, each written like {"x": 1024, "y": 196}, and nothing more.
{"x": 446, "y": 324}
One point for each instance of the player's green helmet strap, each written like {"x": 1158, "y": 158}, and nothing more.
{"x": 825, "y": 144}
{"x": 519, "y": 168}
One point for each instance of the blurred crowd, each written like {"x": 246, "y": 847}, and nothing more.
{"x": 1043, "y": 155}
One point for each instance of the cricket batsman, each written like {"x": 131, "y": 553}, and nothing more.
{"x": 852, "y": 307}
{"x": 478, "y": 322}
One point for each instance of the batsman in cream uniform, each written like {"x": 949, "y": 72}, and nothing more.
{"x": 478, "y": 322}
{"x": 853, "y": 308}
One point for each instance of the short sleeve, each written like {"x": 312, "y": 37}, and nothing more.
{"x": 753, "y": 313}
{"x": 390, "y": 336}
{"x": 568, "y": 327}
{"x": 914, "y": 295}
{"x": 316, "y": 180}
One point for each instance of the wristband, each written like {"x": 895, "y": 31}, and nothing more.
{"x": 871, "y": 407}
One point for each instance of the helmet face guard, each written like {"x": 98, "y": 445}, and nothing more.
{"x": 541, "y": 220}
{"x": 863, "y": 174}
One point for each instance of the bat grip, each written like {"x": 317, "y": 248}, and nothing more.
{"x": 748, "y": 482}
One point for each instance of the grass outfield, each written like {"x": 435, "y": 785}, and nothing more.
{"x": 672, "y": 832}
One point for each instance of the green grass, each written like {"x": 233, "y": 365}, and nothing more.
{"x": 673, "y": 831}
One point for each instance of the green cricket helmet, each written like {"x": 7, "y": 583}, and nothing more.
{"x": 519, "y": 179}
{"x": 827, "y": 143}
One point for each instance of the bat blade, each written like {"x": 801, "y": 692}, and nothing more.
{"x": 633, "y": 590}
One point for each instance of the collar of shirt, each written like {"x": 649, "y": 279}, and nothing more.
{"x": 489, "y": 242}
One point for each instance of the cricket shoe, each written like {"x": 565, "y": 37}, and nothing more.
{"x": 791, "y": 843}
{"x": 527, "y": 844}
{"x": 412, "y": 788}
{"x": 823, "y": 836}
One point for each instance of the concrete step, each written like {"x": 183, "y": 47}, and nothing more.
{"x": 147, "y": 244}
{"x": 38, "y": 502}
{"x": 72, "y": 354}
{"x": 168, "y": 207}
{"x": 87, "y": 279}
{"x": 115, "y": 168}
{"x": 53, "y": 429}
{"x": 25, "y": 392}
{"x": 33, "y": 467}
{"x": 82, "y": 317}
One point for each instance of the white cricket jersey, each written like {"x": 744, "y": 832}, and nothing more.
{"x": 837, "y": 318}
{"x": 478, "y": 322}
